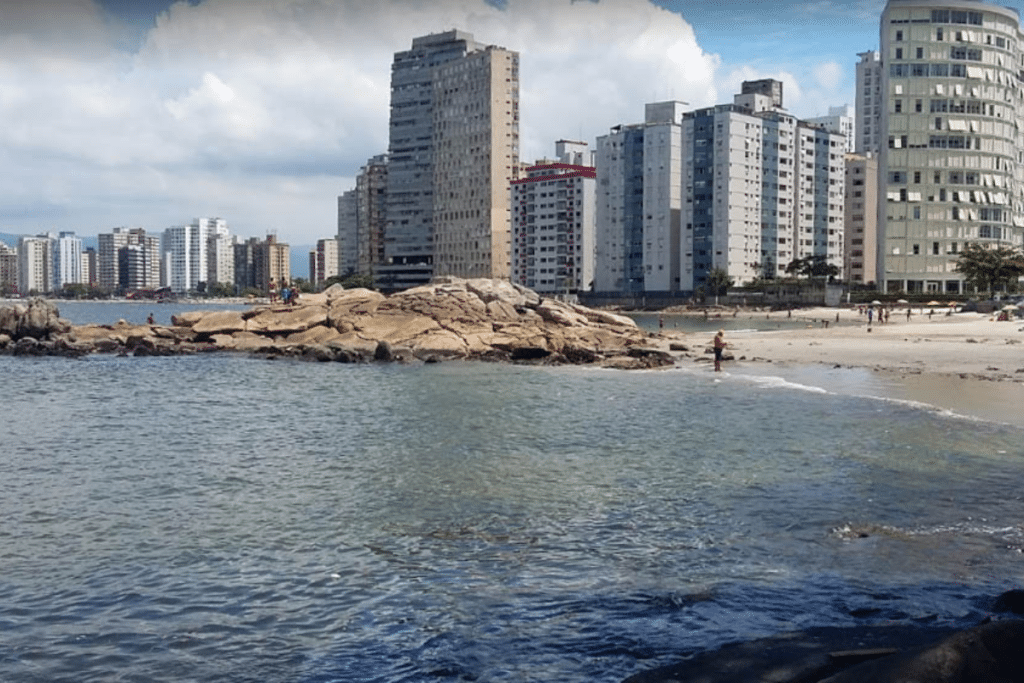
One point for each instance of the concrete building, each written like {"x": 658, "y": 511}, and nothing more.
{"x": 839, "y": 120}
{"x": 35, "y": 265}
{"x": 869, "y": 104}
{"x": 639, "y": 200}
{"x": 262, "y": 264}
{"x": 951, "y": 169}
{"x": 323, "y": 262}
{"x": 146, "y": 273}
{"x": 8, "y": 269}
{"x": 67, "y": 260}
{"x": 90, "y": 267}
{"x": 761, "y": 189}
{"x": 349, "y": 231}
{"x": 553, "y": 222}
{"x": 861, "y": 219}
{"x": 453, "y": 145}
{"x": 371, "y": 192}
{"x": 201, "y": 251}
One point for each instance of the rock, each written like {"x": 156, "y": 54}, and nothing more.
{"x": 383, "y": 352}
{"x": 501, "y": 291}
{"x": 286, "y": 320}
{"x": 321, "y": 334}
{"x": 220, "y": 322}
{"x": 990, "y": 653}
{"x": 395, "y": 326}
{"x": 347, "y": 302}
{"x": 188, "y": 318}
{"x": 439, "y": 344}
{"x": 605, "y": 317}
{"x": 1010, "y": 601}
{"x": 10, "y": 320}
{"x": 676, "y": 346}
{"x": 557, "y": 312}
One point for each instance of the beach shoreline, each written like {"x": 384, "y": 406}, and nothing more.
{"x": 968, "y": 363}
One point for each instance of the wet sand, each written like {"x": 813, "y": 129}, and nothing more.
{"x": 966, "y": 362}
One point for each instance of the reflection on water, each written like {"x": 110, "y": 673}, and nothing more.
{"x": 221, "y": 518}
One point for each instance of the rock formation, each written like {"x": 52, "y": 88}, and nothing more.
{"x": 448, "y": 319}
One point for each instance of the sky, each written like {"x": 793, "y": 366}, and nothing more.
{"x": 149, "y": 113}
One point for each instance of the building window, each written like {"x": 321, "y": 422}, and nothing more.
{"x": 920, "y": 53}
{"x": 899, "y": 35}
{"x": 897, "y": 106}
{"x": 938, "y": 34}
{"x": 899, "y": 53}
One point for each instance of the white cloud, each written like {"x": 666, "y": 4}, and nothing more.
{"x": 263, "y": 112}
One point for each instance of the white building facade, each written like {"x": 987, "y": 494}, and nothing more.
{"x": 761, "y": 190}
{"x": 67, "y": 260}
{"x": 869, "y": 104}
{"x": 950, "y": 172}
{"x": 839, "y": 120}
{"x": 553, "y": 222}
{"x": 35, "y": 265}
{"x": 639, "y": 203}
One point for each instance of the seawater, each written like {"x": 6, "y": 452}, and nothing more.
{"x": 222, "y": 518}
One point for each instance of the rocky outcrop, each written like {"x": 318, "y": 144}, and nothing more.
{"x": 447, "y": 319}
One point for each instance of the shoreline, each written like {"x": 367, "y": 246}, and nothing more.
{"x": 967, "y": 363}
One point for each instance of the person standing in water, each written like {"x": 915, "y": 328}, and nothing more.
{"x": 719, "y": 345}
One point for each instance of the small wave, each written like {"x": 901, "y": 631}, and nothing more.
{"x": 774, "y": 382}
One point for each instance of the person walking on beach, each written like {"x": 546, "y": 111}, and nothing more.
{"x": 871, "y": 312}
{"x": 719, "y": 345}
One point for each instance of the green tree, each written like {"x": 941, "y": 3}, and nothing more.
{"x": 719, "y": 282}
{"x": 990, "y": 268}
{"x": 816, "y": 265}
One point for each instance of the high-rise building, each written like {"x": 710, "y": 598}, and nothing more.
{"x": 761, "y": 189}
{"x": 90, "y": 267}
{"x": 67, "y": 260}
{"x": 553, "y": 222}
{"x": 950, "y": 171}
{"x": 371, "y": 189}
{"x": 35, "y": 265}
{"x": 861, "y": 218}
{"x": 839, "y": 120}
{"x": 453, "y": 146}
{"x": 202, "y": 251}
{"x": 8, "y": 269}
{"x": 271, "y": 264}
{"x": 639, "y": 200}
{"x": 349, "y": 231}
{"x": 323, "y": 262}
{"x": 146, "y": 273}
{"x": 869, "y": 104}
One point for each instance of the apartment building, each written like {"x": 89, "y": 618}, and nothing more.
{"x": 951, "y": 167}
{"x": 761, "y": 189}
{"x": 839, "y": 120}
{"x": 861, "y": 219}
{"x": 110, "y": 260}
{"x": 8, "y": 269}
{"x": 202, "y": 251}
{"x": 35, "y": 265}
{"x": 323, "y": 262}
{"x": 371, "y": 189}
{"x": 553, "y": 222}
{"x": 67, "y": 260}
{"x": 869, "y": 104}
{"x": 349, "y": 231}
{"x": 453, "y": 148}
{"x": 639, "y": 201}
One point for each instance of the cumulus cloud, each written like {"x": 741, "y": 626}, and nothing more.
{"x": 263, "y": 112}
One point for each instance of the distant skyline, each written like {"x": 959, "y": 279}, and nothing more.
{"x": 152, "y": 113}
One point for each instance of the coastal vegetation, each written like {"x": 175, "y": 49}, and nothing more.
{"x": 991, "y": 269}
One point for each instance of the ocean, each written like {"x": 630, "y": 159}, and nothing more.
{"x": 225, "y": 518}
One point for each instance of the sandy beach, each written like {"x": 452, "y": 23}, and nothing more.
{"x": 967, "y": 362}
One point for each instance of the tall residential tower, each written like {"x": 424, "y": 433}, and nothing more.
{"x": 951, "y": 167}
{"x": 453, "y": 151}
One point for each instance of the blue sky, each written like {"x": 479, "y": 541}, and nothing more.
{"x": 148, "y": 113}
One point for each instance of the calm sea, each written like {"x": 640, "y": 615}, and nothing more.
{"x": 221, "y": 518}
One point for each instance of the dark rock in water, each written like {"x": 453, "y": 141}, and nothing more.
{"x": 383, "y": 352}
{"x": 1010, "y": 601}
{"x": 990, "y": 653}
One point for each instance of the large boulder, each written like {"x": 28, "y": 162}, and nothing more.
{"x": 39, "y": 319}
{"x": 557, "y": 312}
{"x": 991, "y": 653}
{"x": 220, "y": 322}
{"x": 394, "y": 327}
{"x": 286, "y": 320}
{"x": 343, "y": 303}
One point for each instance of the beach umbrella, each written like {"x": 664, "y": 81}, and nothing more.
{"x": 953, "y": 303}
{"x": 1009, "y": 307}
{"x": 902, "y": 301}
{"x": 933, "y": 303}
{"x": 876, "y": 302}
